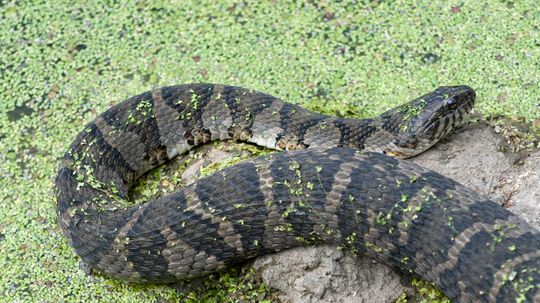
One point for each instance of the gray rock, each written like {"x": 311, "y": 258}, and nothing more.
{"x": 328, "y": 274}
{"x": 472, "y": 157}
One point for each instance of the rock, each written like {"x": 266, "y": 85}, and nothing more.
{"x": 472, "y": 157}
{"x": 328, "y": 274}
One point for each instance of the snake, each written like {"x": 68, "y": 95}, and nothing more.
{"x": 336, "y": 180}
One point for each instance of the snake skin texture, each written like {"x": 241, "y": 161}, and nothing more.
{"x": 336, "y": 183}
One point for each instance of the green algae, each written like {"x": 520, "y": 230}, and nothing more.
{"x": 62, "y": 62}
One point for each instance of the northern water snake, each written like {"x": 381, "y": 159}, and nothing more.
{"x": 335, "y": 185}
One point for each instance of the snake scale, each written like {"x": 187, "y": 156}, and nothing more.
{"x": 337, "y": 183}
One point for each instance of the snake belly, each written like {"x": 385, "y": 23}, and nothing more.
{"x": 328, "y": 190}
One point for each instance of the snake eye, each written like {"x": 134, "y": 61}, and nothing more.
{"x": 451, "y": 103}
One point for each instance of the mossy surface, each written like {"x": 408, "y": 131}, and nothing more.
{"x": 62, "y": 62}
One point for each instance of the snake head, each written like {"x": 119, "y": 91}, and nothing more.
{"x": 421, "y": 123}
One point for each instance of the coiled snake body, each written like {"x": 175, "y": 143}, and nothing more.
{"x": 334, "y": 186}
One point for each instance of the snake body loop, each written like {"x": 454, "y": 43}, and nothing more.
{"x": 334, "y": 184}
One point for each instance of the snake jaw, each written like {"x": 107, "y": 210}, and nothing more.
{"x": 409, "y": 149}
